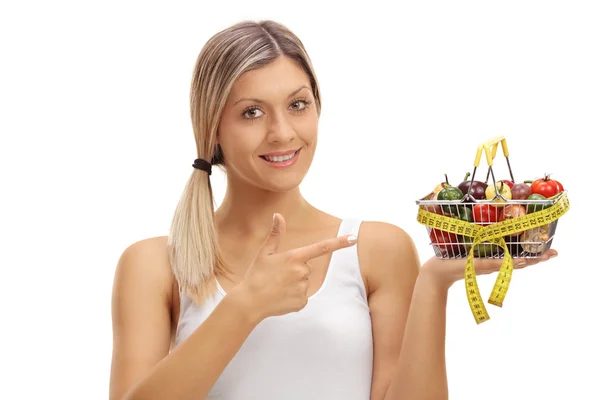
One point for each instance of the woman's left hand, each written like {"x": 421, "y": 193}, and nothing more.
{"x": 447, "y": 272}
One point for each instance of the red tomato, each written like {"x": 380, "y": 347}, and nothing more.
{"x": 446, "y": 241}
{"x": 485, "y": 214}
{"x": 546, "y": 187}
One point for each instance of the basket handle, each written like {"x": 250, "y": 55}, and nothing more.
{"x": 490, "y": 148}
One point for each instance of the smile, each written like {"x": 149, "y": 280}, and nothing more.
{"x": 280, "y": 158}
{"x": 281, "y": 161}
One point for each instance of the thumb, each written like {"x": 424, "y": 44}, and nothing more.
{"x": 277, "y": 230}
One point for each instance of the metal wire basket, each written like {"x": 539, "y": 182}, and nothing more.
{"x": 453, "y": 236}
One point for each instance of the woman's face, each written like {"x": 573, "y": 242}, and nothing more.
{"x": 268, "y": 129}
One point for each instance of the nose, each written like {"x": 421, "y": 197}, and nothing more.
{"x": 280, "y": 130}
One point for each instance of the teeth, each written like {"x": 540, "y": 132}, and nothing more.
{"x": 280, "y": 158}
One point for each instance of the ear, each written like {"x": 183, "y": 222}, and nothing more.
{"x": 218, "y": 156}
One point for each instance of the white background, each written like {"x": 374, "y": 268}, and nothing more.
{"x": 96, "y": 146}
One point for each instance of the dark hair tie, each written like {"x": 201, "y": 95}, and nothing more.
{"x": 202, "y": 165}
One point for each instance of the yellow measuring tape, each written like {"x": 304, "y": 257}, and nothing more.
{"x": 493, "y": 233}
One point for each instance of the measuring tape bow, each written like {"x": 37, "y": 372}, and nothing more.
{"x": 494, "y": 234}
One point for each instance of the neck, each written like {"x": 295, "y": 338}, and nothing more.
{"x": 248, "y": 211}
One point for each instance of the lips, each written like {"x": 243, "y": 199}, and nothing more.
{"x": 280, "y": 156}
{"x": 281, "y": 159}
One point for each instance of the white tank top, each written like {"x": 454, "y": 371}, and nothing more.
{"x": 323, "y": 352}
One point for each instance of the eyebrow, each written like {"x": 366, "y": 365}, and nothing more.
{"x": 262, "y": 101}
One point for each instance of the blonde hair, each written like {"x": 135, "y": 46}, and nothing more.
{"x": 193, "y": 245}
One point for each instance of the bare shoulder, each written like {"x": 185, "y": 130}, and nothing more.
{"x": 144, "y": 271}
{"x": 378, "y": 233}
{"x": 386, "y": 254}
{"x": 154, "y": 248}
{"x": 146, "y": 261}
{"x": 141, "y": 312}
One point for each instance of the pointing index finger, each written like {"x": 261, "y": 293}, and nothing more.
{"x": 323, "y": 247}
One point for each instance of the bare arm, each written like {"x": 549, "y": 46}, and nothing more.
{"x": 408, "y": 307}
{"x": 390, "y": 292}
{"x": 408, "y": 317}
{"x": 142, "y": 367}
{"x": 421, "y": 369}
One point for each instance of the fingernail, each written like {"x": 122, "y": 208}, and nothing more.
{"x": 521, "y": 263}
{"x": 352, "y": 239}
{"x": 552, "y": 256}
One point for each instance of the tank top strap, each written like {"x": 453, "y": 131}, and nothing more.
{"x": 344, "y": 269}
{"x": 350, "y": 226}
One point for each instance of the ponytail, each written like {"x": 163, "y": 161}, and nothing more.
{"x": 193, "y": 245}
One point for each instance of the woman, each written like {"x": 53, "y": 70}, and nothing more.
{"x": 269, "y": 297}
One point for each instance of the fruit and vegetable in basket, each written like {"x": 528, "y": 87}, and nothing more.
{"x": 477, "y": 190}
{"x": 546, "y": 187}
{"x": 449, "y": 192}
{"x": 485, "y": 214}
{"x": 436, "y": 209}
{"x": 459, "y": 211}
{"x": 464, "y": 213}
{"x": 440, "y": 186}
{"x": 520, "y": 191}
{"x": 531, "y": 208}
{"x": 526, "y": 242}
{"x": 446, "y": 241}
{"x": 503, "y": 190}
{"x": 484, "y": 249}
{"x": 533, "y": 240}
{"x": 487, "y": 249}
{"x": 512, "y": 211}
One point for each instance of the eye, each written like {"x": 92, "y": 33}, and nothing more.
{"x": 252, "y": 113}
{"x": 299, "y": 105}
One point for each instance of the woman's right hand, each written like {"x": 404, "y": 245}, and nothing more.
{"x": 276, "y": 283}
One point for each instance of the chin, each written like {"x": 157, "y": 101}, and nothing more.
{"x": 284, "y": 182}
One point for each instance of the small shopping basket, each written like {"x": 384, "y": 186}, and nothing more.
{"x": 490, "y": 227}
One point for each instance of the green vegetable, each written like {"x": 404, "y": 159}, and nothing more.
{"x": 464, "y": 213}
{"x": 487, "y": 249}
{"x": 531, "y": 208}
{"x": 449, "y": 193}
{"x": 481, "y": 250}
